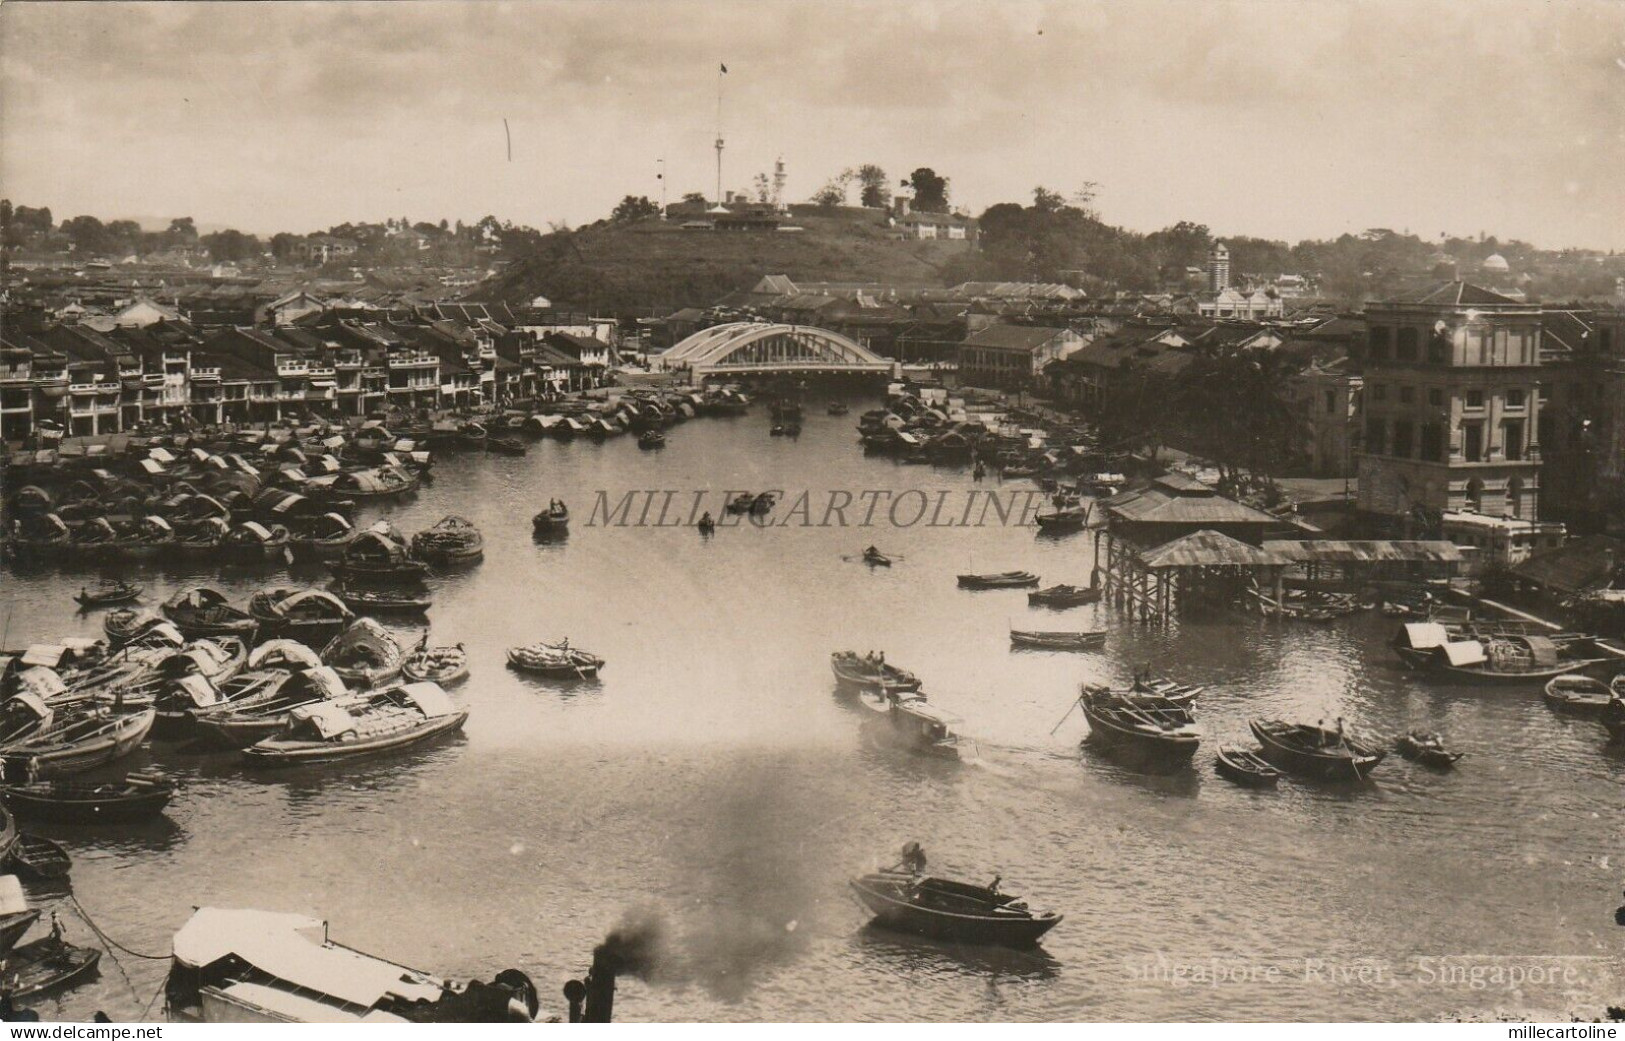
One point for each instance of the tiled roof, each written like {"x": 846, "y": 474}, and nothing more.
{"x": 1457, "y": 294}
{"x": 1578, "y": 564}
{"x": 1014, "y": 337}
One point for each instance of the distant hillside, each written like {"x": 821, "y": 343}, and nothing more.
{"x": 653, "y": 267}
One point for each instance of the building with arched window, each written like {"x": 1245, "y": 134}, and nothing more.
{"x": 1451, "y": 406}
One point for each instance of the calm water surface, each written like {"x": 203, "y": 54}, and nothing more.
{"x": 713, "y": 779}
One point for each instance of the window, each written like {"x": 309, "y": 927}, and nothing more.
{"x": 1331, "y": 401}
{"x": 1605, "y": 340}
{"x": 1515, "y": 496}
{"x": 1407, "y": 395}
{"x": 1475, "y": 399}
{"x": 1377, "y": 340}
{"x": 1375, "y": 439}
{"x": 1435, "y": 396}
{"x": 1379, "y": 392}
{"x": 1432, "y": 447}
{"x": 1515, "y": 398}
{"x": 1402, "y": 438}
{"x": 1405, "y": 345}
{"x": 1472, "y": 442}
{"x": 1512, "y": 439}
{"x": 1475, "y": 494}
{"x": 1438, "y": 348}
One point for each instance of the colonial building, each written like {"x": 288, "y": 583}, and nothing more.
{"x": 1451, "y": 406}
{"x": 1327, "y": 396}
{"x": 1013, "y": 356}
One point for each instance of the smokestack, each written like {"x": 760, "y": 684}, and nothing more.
{"x": 600, "y": 986}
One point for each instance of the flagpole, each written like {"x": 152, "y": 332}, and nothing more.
{"x": 722, "y": 70}
{"x": 662, "y": 179}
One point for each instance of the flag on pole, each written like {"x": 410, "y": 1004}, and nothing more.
{"x": 724, "y": 68}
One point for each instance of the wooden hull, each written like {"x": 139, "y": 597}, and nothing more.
{"x": 14, "y": 926}
{"x": 298, "y": 753}
{"x": 894, "y": 912}
{"x": 85, "y": 807}
{"x": 1236, "y": 768}
{"x": 82, "y": 756}
{"x": 40, "y": 860}
{"x": 46, "y": 965}
{"x": 1310, "y": 762}
{"x": 979, "y": 582}
{"x": 868, "y": 682}
{"x": 1139, "y": 746}
{"x": 1057, "y": 641}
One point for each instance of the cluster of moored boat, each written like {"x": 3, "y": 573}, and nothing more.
{"x": 249, "y": 497}
{"x": 320, "y": 684}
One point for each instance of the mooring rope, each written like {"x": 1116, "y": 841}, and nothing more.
{"x": 77, "y": 906}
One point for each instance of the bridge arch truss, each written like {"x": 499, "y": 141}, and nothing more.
{"x": 760, "y": 347}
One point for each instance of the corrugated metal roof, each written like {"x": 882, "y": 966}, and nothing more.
{"x": 1336, "y": 551}
{"x": 1155, "y": 506}
{"x": 1208, "y": 549}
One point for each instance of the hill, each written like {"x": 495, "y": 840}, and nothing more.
{"x": 649, "y": 266}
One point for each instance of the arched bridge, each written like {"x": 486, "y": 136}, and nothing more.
{"x": 746, "y": 348}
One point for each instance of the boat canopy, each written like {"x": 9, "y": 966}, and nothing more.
{"x": 1543, "y": 650}
{"x": 304, "y": 597}
{"x": 1463, "y": 653}
{"x": 430, "y": 699}
{"x": 329, "y": 718}
{"x": 198, "y": 691}
{"x": 322, "y": 681}
{"x": 12, "y": 900}
{"x": 42, "y": 683}
{"x": 376, "y": 544}
{"x": 364, "y": 634}
{"x": 158, "y": 630}
{"x": 1424, "y": 636}
{"x": 197, "y": 597}
{"x": 258, "y": 530}
{"x": 45, "y": 655}
{"x": 294, "y": 948}
{"x": 275, "y": 654}
{"x": 33, "y": 703}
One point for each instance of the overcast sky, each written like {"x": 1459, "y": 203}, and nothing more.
{"x": 1289, "y": 120}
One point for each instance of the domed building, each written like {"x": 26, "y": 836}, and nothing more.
{"x": 1496, "y": 264}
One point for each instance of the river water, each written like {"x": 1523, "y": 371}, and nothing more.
{"x": 712, "y": 781}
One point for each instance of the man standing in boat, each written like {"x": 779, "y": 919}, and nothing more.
{"x": 913, "y": 862}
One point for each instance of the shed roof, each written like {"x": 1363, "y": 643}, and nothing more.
{"x": 1156, "y": 506}
{"x": 1335, "y": 551}
{"x": 1578, "y": 564}
{"x": 1208, "y": 549}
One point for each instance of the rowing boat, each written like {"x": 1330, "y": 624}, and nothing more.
{"x": 1058, "y": 641}
{"x": 950, "y": 910}
{"x": 871, "y": 675}
{"x": 555, "y": 659}
{"x": 1001, "y": 580}
{"x": 136, "y": 796}
{"x": 1315, "y": 751}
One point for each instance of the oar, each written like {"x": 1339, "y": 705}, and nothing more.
{"x": 1063, "y": 719}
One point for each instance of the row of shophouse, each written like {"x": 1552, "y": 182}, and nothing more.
{"x": 68, "y": 377}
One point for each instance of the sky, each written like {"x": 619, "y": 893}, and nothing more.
{"x": 1282, "y": 119}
